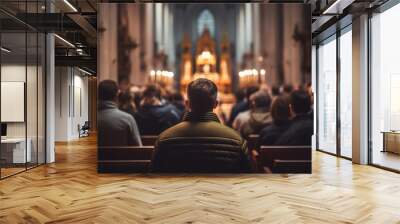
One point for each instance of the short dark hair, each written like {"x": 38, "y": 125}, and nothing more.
{"x": 288, "y": 88}
{"x": 280, "y": 111}
{"x": 152, "y": 91}
{"x": 240, "y": 95}
{"x": 176, "y": 96}
{"x": 202, "y": 94}
{"x": 126, "y": 97}
{"x": 275, "y": 91}
{"x": 261, "y": 99}
{"x": 301, "y": 102}
{"x": 108, "y": 90}
{"x": 250, "y": 90}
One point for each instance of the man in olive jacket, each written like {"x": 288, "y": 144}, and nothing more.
{"x": 200, "y": 143}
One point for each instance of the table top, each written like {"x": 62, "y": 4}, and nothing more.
{"x": 391, "y": 132}
{"x": 13, "y": 140}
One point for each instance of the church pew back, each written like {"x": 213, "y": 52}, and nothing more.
{"x": 124, "y": 159}
{"x": 149, "y": 140}
{"x": 285, "y": 159}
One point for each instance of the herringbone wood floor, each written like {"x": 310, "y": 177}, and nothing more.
{"x": 71, "y": 191}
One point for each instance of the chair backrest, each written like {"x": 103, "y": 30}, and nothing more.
{"x": 200, "y": 155}
{"x": 286, "y": 159}
{"x": 252, "y": 142}
{"x": 124, "y": 159}
{"x": 149, "y": 140}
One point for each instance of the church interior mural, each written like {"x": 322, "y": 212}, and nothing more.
{"x": 234, "y": 45}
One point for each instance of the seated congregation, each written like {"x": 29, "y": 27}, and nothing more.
{"x": 152, "y": 130}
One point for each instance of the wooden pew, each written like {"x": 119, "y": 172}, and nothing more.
{"x": 283, "y": 159}
{"x": 124, "y": 159}
{"x": 149, "y": 140}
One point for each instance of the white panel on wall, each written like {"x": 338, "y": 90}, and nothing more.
{"x": 12, "y": 101}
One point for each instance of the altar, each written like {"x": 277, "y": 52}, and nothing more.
{"x": 206, "y": 63}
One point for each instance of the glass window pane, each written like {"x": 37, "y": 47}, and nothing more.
{"x": 346, "y": 94}
{"x": 385, "y": 84}
{"x": 31, "y": 96}
{"x": 41, "y": 98}
{"x": 14, "y": 153}
{"x": 327, "y": 96}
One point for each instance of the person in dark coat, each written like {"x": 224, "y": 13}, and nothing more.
{"x": 280, "y": 113}
{"x": 155, "y": 116}
{"x": 179, "y": 102}
{"x": 201, "y": 143}
{"x": 302, "y": 127}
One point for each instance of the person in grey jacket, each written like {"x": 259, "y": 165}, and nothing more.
{"x": 115, "y": 127}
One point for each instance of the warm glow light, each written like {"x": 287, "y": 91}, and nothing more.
{"x": 206, "y": 55}
{"x": 163, "y": 74}
{"x": 250, "y": 76}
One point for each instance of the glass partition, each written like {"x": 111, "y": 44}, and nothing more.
{"x": 346, "y": 93}
{"x": 14, "y": 153}
{"x": 326, "y": 98}
{"x": 41, "y": 97}
{"x": 22, "y": 92}
{"x": 385, "y": 89}
{"x": 31, "y": 97}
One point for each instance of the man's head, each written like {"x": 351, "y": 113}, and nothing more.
{"x": 152, "y": 91}
{"x": 240, "y": 95}
{"x": 260, "y": 99}
{"x": 300, "y": 102}
{"x": 280, "y": 110}
{"x": 250, "y": 90}
{"x": 288, "y": 88}
{"x": 202, "y": 95}
{"x": 275, "y": 91}
{"x": 108, "y": 90}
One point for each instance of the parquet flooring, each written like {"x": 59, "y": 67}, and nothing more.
{"x": 71, "y": 191}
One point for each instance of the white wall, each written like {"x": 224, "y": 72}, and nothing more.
{"x": 71, "y": 103}
{"x": 16, "y": 73}
{"x": 33, "y": 126}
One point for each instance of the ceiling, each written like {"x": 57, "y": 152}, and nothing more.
{"x": 76, "y": 22}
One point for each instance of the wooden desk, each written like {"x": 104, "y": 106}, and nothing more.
{"x": 13, "y": 150}
{"x": 391, "y": 141}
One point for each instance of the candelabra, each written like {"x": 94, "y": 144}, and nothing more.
{"x": 251, "y": 77}
{"x": 161, "y": 77}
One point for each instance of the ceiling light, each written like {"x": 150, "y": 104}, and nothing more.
{"x": 70, "y": 5}
{"x": 84, "y": 71}
{"x": 65, "y": 41}
{"x": 5, "y": 50}
{"x": 337, "y": 7}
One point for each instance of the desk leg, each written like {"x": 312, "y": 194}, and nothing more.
{"x": 384, "y": 142}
